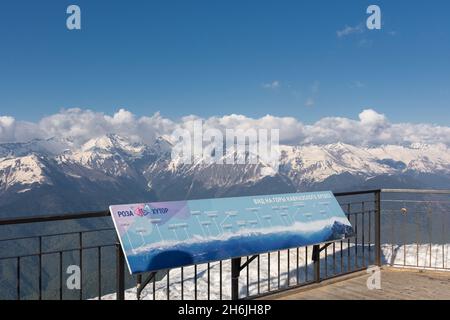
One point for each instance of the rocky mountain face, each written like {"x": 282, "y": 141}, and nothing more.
{"x": 54, "y": 176}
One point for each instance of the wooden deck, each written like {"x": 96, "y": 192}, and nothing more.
{"x": 396, "y": 284}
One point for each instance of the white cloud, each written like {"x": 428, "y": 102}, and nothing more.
{"x": 370, "y": 117}
{"x": 276, "y": 84}
{"x": 82, "y": 125}
{"x": 348, "y": 30}
{"x": 369, "y": 128}
{"x": 12, "y": 130}
{"x": 6, "y": 121}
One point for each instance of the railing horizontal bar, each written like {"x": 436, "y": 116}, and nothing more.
{"x": 57, "y": 251}
{"x": 99, "y": 214}
{"x": 354, "y": 193}
{"x": 420, "y": 267}
{"x": 393, "y": 212}
{"x": 51, "y": 218}
{"x": 57, "y": 234}
{"x": 431, "y": 191}
{"x": 415, "y": 201}
{"x": 271, "y": 292}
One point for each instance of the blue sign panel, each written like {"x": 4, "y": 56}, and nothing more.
{"x": 164, "y": 235}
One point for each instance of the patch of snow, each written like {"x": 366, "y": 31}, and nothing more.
{"x": 423, "y": 256}
{"x": 26, "y": 170}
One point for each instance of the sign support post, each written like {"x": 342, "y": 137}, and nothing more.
{"x": 236, "y": 269}
{"x": 235, "y": 272}
{"x": 120, "y": 270}
{"x": 316, "y": 259}
{"x": 141, "y": 285}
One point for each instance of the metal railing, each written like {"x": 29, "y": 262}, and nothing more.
{"x": 34, "y": 261}
{"x": 416, "y": 228}
{"x": 28, "y": 262}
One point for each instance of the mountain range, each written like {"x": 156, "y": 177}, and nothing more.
{"x": 59, "y": 176}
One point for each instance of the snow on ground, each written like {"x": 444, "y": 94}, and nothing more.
{"x": 423, "y": 256}
{"x": 434, "y": 256}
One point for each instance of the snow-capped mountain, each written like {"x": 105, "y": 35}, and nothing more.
{"x": 44, "y": 176}
{"x": 25, "y": 171}
{"x": 315, "y": 164}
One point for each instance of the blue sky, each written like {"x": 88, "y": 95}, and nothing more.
{"x": 219, "y": 57}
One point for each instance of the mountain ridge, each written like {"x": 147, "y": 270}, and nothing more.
{"x": 58, "y": 176}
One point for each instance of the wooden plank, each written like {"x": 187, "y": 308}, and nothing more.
{"x": 397, "y": 284}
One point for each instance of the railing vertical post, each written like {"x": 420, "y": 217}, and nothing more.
{"x": 378, "y": 228}
{"x": 80, "y": 235}
{"x": 139, "y": 285}
{"x": 235, "y": 271}
{"x": 316, "y": 260}
{"x": 18, "y": 278}
{"x": 120, "y": 276}
{"x": 40, "y": 268}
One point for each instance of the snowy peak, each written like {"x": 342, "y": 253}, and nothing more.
{"x": 109, "y": 154}
{"x": 161, "y": 146}
{"x": 112, "y": 143}
{"x": 52, "y": 146}
{"x": 27, "y": 170}
{"x": 315, "y": 163}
